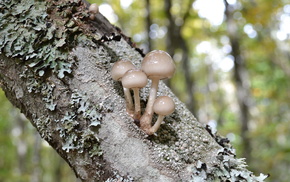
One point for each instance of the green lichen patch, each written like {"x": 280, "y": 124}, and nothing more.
{"x": 116, "y": 178}
{"x": 78, "y": 128}
{"x": 40, "y": 86}
{"x": 84, "y": 108}
{"x": 27, "y": 33}
{"x": 229, "y": 169}
{"x": 41, "y": 35}
{"x": 42, "y": 124}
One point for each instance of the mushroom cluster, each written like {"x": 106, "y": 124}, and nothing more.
{"x": 156, "y": 65}
{"x": 93, "y": 10}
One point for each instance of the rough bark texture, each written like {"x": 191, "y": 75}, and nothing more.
{"x": 55, "y": 66}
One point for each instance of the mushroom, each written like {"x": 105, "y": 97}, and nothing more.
{"x": 93, "y": 9}
{"x": 135, "y": 79}
{"x": 157, "y": 65}
{"x": 162, "y": 106}
{"x": 117, "y": 72}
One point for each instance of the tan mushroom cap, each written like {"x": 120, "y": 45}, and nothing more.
{"x": 163, "y": 105}
{"x": 94, "y": 8}
{"x": 158, "y": 64}
{"x": 134, "y": 78}
{"x": 120, "y": 68}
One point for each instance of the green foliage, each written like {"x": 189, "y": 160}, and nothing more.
{"x": 7, "y": 162}
{"x": 80, "y": 140}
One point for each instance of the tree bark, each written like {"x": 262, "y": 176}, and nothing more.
{"x": 55, "y": 66}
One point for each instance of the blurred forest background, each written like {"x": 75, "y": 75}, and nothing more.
{"x": 233, "y": 72}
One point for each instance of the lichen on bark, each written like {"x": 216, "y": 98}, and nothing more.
{"x": 27, "y": 33}
{"x": 41, "y": 44}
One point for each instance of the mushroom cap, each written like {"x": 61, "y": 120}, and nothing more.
{"x": 94, "y": 8}
{"x": 134, "y": 78}
{"x": 163, "y": 105}
{"x": 120, "y": 68}
{"x": 158, "y": 64}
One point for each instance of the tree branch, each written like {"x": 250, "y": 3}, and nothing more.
{"x": 55, "y": 66}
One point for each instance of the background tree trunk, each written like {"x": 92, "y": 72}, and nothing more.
{"x": 36, "y": 158}
{"x": 241, "y": 80}
{"x": 174, "y": 43}
{"x": 19, "y": 131}
{"x": 148, "y": 24}
{"x": 55, "y": 66}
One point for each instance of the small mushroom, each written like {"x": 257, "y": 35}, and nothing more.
{"x": 135, "y": 79}
{"x": 162, "y": 106}
{"x": 157, "y": 65}
{"x": 117, "y": 72}
{"x": 93, "y": 9}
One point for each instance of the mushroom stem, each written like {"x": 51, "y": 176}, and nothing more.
{"x": 129, "y": 102}
{"x": 155, "y": 127}
{"x": 152, "y": 95}
{"x": 137, "y": 113}
{"x": 146, "y": 119}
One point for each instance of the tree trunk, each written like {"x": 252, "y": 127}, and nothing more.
{"x": 20, "y": 142}
{"x": 241, "y": 80}
{"x": 36, "y": 159}
{"x": 176, "y": 41}
{"x": 55, "y": 66}
{"x": 148, "y": 24}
